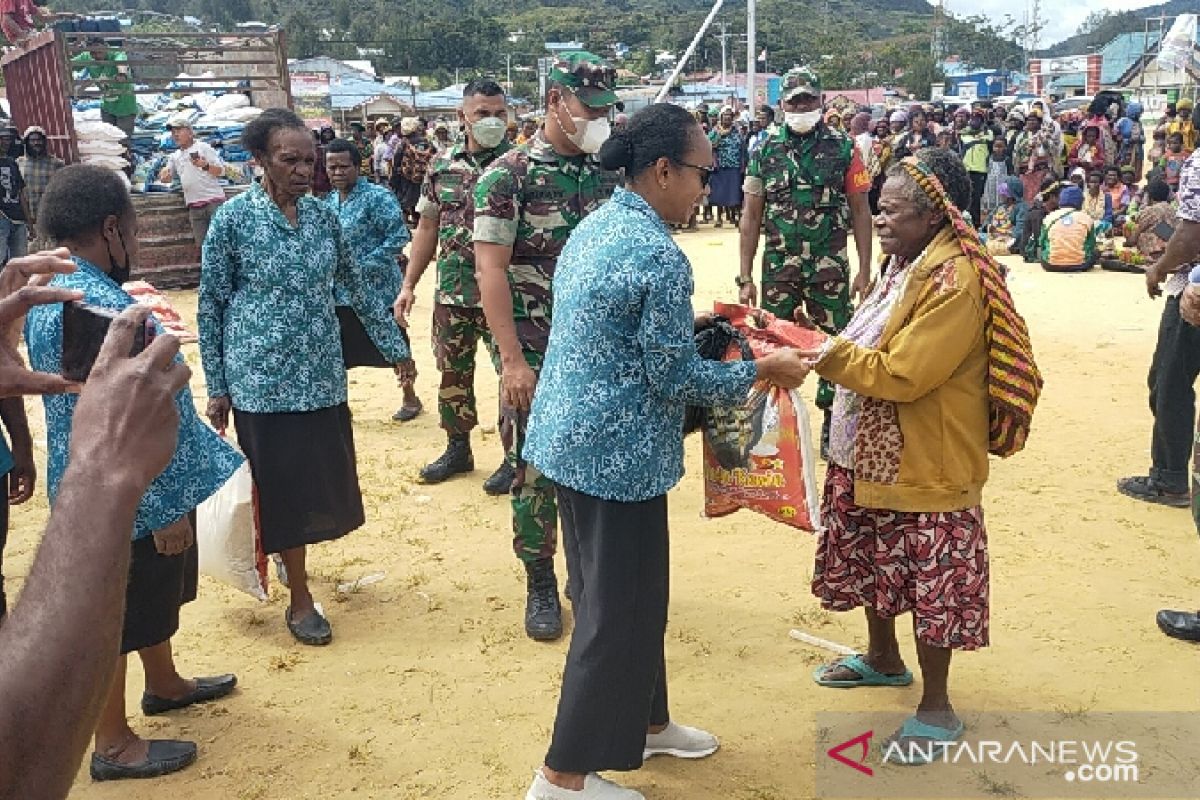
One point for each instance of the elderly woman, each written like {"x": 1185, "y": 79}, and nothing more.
{"x": 606, "y": 428}
{"x": 923, "y": 396}
{"x": 272, "y": 353}
{"x": 1033, "y": 153}
{"x": 88, "y": 210}
{"x": 729, "y": 157}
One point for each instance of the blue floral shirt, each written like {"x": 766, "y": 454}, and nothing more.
{"x": 607, "y": 417}
{"x": 375, "y": 233}
{"x": 269, "y": 337}
{"x": 202, "y": 462}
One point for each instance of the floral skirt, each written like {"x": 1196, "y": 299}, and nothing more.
{"x": 932, "y": 564}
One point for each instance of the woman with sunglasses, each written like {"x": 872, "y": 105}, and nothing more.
{"x": 607, "y": 428}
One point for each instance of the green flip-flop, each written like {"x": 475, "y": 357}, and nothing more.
{"x": 870, "y": 676}
{"x": 919, "y": 754}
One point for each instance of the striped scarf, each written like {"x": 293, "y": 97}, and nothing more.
{"x": 1014, "y": 382}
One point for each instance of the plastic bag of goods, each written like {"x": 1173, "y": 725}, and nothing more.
{"x": 760, "y": 455}
{"x": 100, "y": 147}
{"x": 147, "y": 295}
{"x": 226, "y": 102}
{"x": 229, "y": 548}
{"x": 93, "y": 131}
{"x": 115, "y": 163}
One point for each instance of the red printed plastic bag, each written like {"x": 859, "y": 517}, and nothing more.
{"x": 759, "y": 455}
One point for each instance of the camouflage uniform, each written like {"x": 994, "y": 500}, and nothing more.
{"x": 458, "y": 321}
{"x": 531, "y": 199}
{"x": 806, "y": 221}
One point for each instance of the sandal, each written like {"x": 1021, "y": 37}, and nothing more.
{"x": 869, "y": 675}
{"x": 313, "y": 630}
{"x": 1148, "y": 490}
{"x": 408, "y": 413}
{"x": 925, "y": 742}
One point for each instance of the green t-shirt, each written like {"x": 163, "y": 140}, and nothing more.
{"x": 117, "y": 98}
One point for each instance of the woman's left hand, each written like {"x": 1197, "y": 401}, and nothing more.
{"x": 175, "y": 538}
{"x": 23, "y": 477}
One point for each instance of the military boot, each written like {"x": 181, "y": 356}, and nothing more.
{"x": 543, "y": 612}
{"x": 456, "y": 460}
{"x": 501, "y": 481}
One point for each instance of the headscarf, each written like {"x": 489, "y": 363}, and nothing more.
{"x": 1071, "y": 197}
{"x": 899, "y": 116}
{"x": 1016, "y": 189}
{"x": 1014, "y": 382}
{"x": 1133, "y": 109}
{"x": 1184, "y": 105}
{"x": 860, "y": 123}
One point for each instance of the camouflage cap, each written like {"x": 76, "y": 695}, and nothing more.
{"x": 592, "y": 80}
{"x": 799, "y": 82}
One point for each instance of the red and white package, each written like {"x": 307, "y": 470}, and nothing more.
{"x": 759, "y": 455}
{"x": 164, "y": 312}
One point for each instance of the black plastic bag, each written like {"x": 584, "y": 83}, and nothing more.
{"x": 712, "y": 343}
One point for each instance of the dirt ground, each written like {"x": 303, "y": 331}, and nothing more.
{"x": 431, "y": 690}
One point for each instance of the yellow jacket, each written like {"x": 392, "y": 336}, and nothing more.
{"x": 922, "y": 440}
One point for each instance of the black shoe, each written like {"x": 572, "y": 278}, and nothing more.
{"x": 312, "y": 630}
{"x": 408, "y": 413}
{"x": 207, "y": 689}
{"x": 501, "y": 481}
{"x": 825, "y": 435}
{"x": 1148, "y": 490}
{"x": 165, "y": 756}
{"x": 1180, "y": 625}
{"x": 543, "y": 612}
{"x": 456, "y": 460}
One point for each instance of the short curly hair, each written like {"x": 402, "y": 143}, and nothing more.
{"x": 256, "y": 137}
{"x": 950, "y": 172}
{"x": 78, "y": 199}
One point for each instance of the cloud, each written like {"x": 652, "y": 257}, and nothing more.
{"x": 1062, "y": 19}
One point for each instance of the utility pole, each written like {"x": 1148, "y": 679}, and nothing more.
{"x": 508, "y": 60}
{"x": 724, "y": 37}
{"x": 751, "y": 51}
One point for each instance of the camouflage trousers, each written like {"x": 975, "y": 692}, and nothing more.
{"x": 534, "y": 506}
{"x": 818, "y": 285}
{"x": 457, "y": 333}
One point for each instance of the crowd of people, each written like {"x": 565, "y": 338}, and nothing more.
{"x": 553, "y": 244}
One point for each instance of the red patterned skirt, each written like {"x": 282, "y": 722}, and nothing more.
{"x": 934, "y": 565}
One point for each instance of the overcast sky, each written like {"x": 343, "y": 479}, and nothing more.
{"x": 1062, "y": 18}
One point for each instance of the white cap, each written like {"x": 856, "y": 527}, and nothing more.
{"x": 179, "y": 121}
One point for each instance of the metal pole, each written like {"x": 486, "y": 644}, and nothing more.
{"x": 751, "y": 52}
{"x": 724, "y": 62}
{"x": 662, "y": 94}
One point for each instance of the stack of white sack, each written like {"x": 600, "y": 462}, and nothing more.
{"x": 101, "y": 144}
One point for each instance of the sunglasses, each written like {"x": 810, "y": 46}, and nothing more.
{"x": 705, "y": 172}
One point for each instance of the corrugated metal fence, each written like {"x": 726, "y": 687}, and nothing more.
{"x": 36, "y": 81}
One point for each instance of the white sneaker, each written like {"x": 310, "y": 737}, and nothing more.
{"x": 680, "y": 741}
{"x": 594, "y": 788}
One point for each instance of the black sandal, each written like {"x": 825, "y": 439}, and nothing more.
{"x": 1148, "y": 490}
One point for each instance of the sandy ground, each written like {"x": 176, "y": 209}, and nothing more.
{"x": 431, "y": 689}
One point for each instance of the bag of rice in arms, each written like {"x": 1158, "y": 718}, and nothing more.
{"x": 760, "y": 455}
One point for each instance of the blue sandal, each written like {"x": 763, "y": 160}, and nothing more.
{"x": 919, "y": 753}
{"x": 869, "y": 675}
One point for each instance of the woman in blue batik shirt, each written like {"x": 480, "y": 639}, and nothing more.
{"x": 607, "y": 428}
{"x": 87, "y": 209}
{"x": 272, "y": 353}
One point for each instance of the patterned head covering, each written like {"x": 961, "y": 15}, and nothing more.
{"x": 592, "y": 80}
{"x": 1014, "y": 382}
{"x": 1071, "y": 197}
{"x": 799, "y": 82}
{"x": 899, "y": 116}
{"x": 1184, "y": 105}
{"x": 31, "y": 130}
{"x": 409, "y": 126}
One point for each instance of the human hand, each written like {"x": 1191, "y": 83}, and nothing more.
{"x": 174, "y": 539}
{"x": 1154, "y": 280}
{"x": 403, "y": 305}
{"x": 218, "y": 412}
{"x": 37, "y": 267}
{"x": 518, "y": 382}
{"x": 862, "y": 283}
{"x": 703, "y": 320}
{"x": 787, "y": 368}
{"x": 748, "y": 294}
{"x": 1189, "y": 305}
{"x": 23, "y": 477}
{"x": 406, "y": 373}
{"x": 126, "y": 424}
{"x": 15, "y": 378}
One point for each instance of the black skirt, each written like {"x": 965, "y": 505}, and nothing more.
{"x": 305, "y": 475}
{"x": 358, "y": 350}
{"x": 158, "y": 587}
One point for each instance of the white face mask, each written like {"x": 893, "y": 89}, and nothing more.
{"x": 589, "y": 135}
{"x": 802, "y": 121}
{"x": 489, "y": 133}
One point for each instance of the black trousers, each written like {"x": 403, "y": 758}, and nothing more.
{"x": 615, "y": 681}
{"x": 1173, "y": 398}
{"x": 978, "y": 184}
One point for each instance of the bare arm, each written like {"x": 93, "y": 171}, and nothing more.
{"x": 752, "y": 216}
{"x": 491, "y": 270}
{"x": 424, "y": 248}
{"x": 58, "y": 649}
{"x": 1182, "y": 249}
{"x": 860, "y": 218}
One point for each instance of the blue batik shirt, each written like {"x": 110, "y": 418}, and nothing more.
{"x": 202, "y": 462}
{"x": 375, "y": 233}
{"x": 607, "y": 417}
{"x": 269, "y": 336}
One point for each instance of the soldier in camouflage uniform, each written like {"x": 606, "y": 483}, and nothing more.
{"x": 526, "y": 205}
{"x": 447, "y": 211}
{"x": 808, "y": 183}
